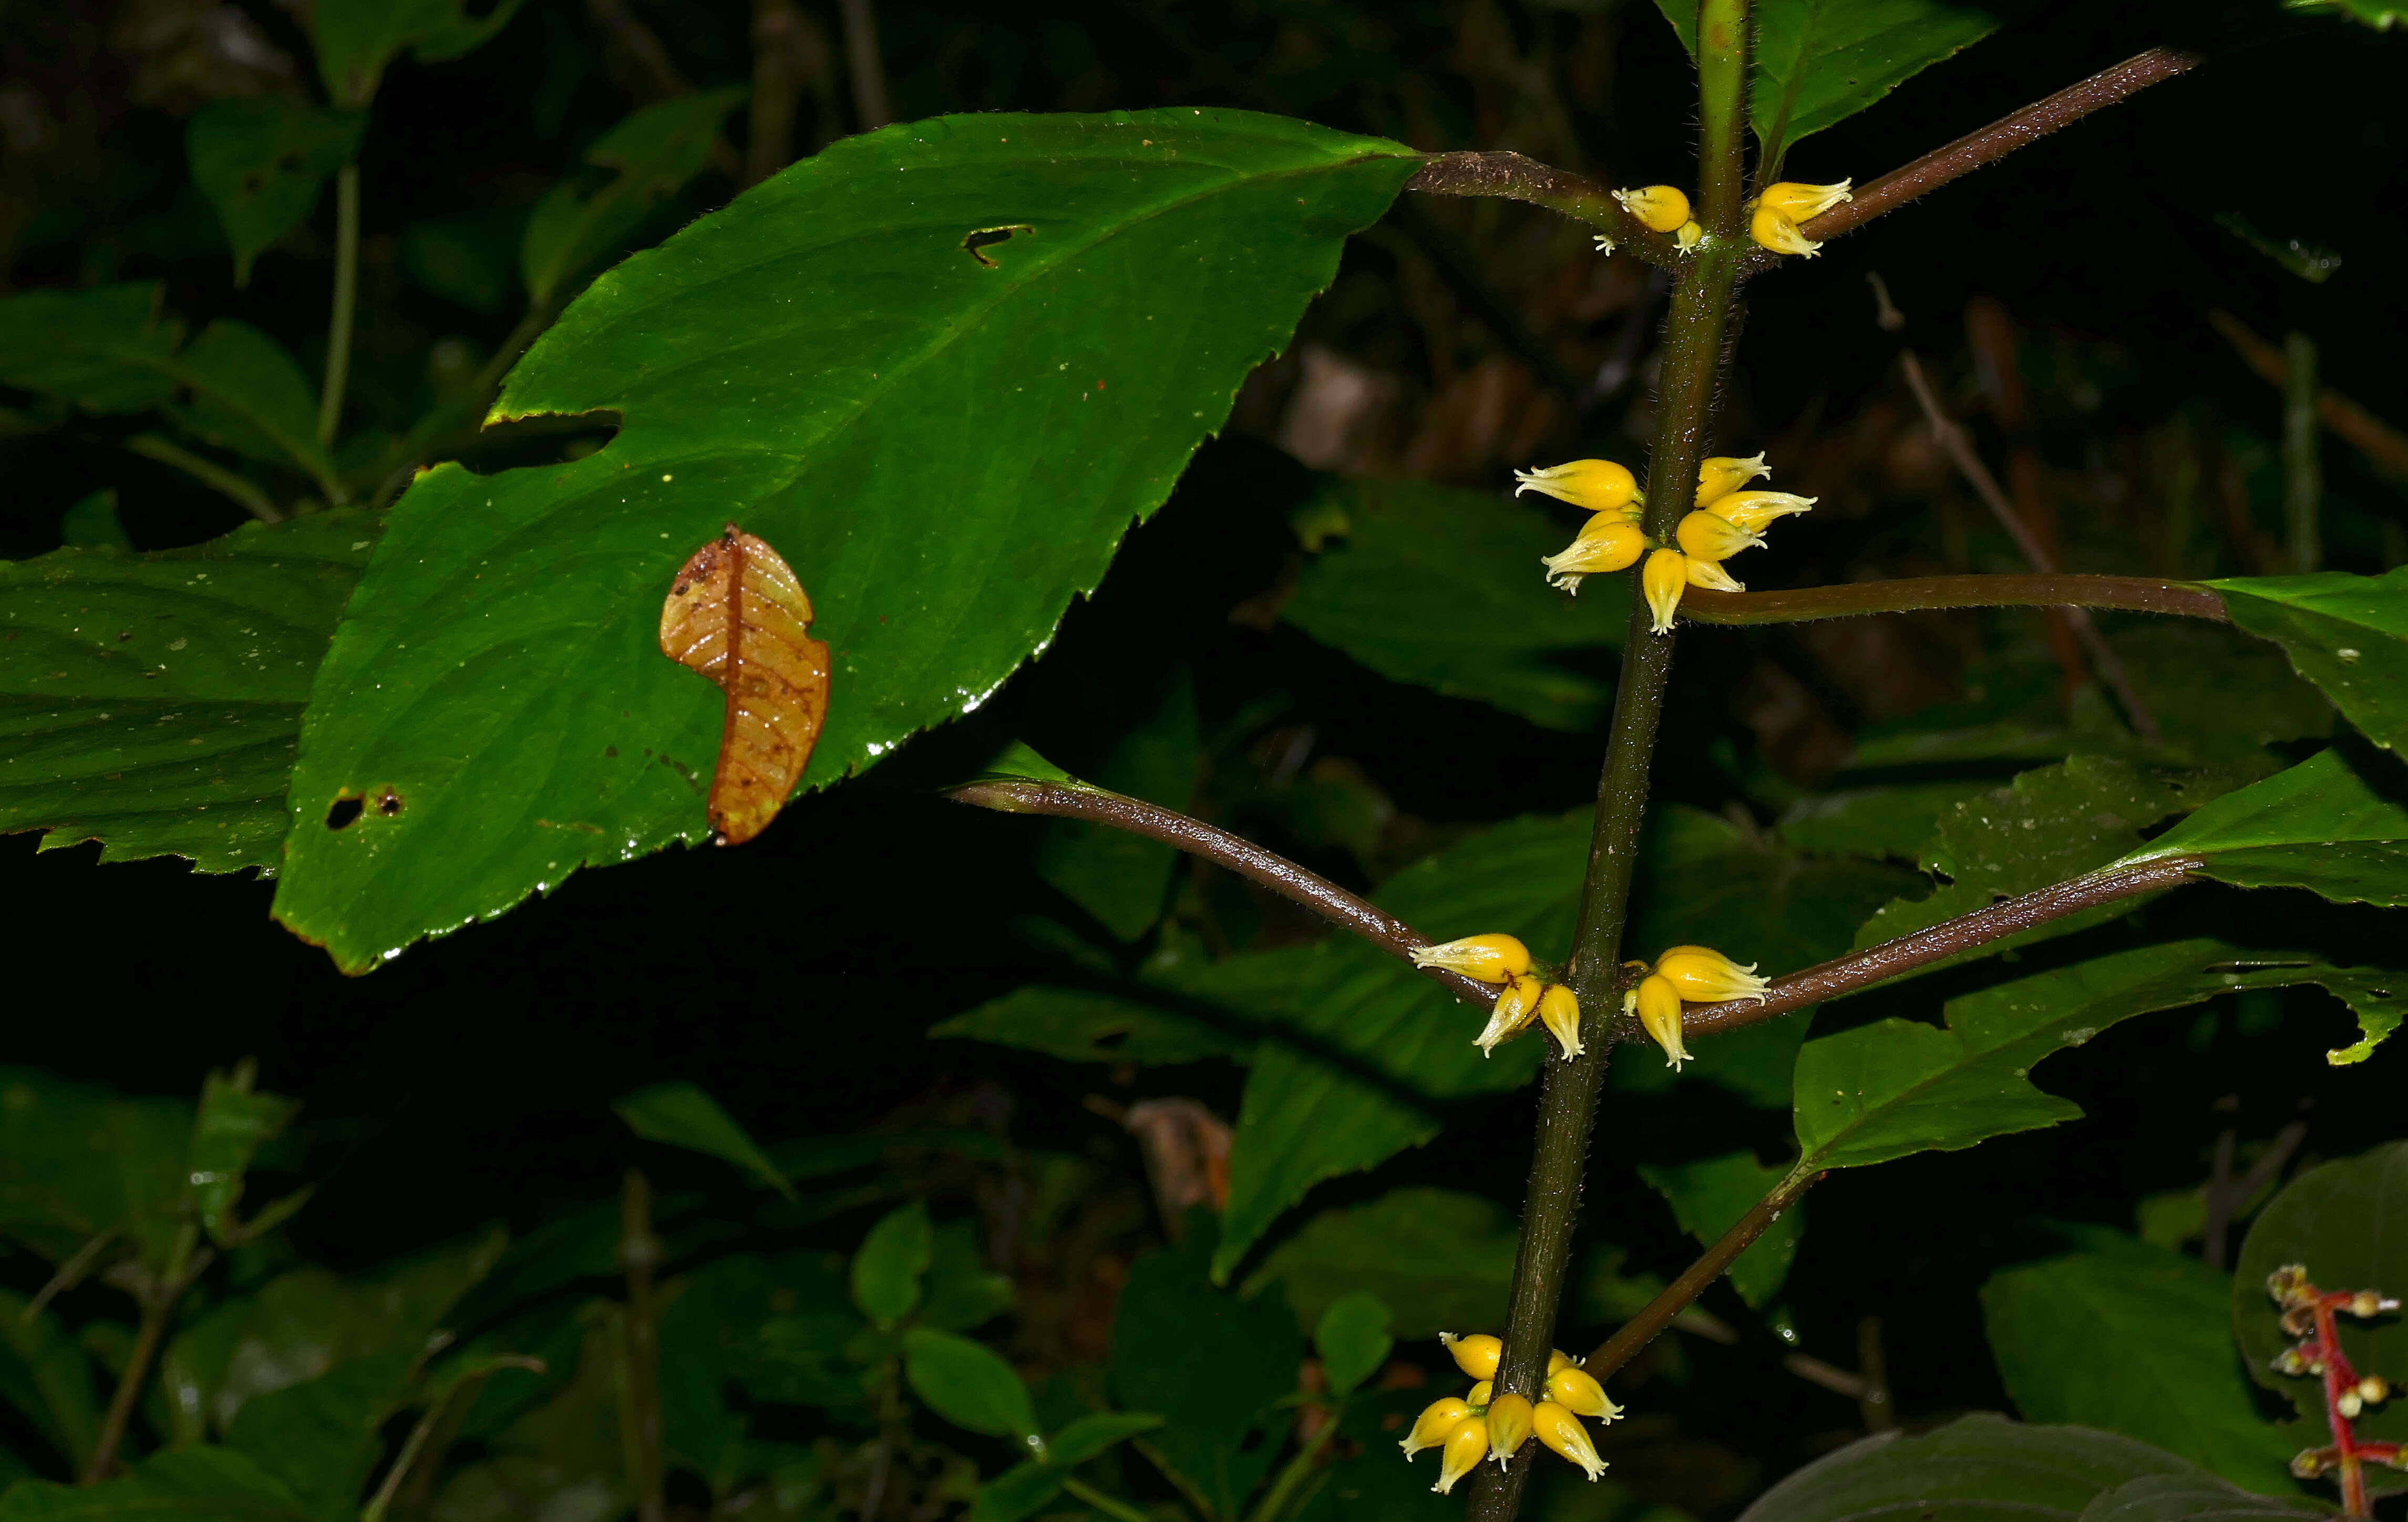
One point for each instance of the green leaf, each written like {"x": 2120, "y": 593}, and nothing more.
{"x": 91, "y": 523}
{"x": 734, "y": 1322}
{"x": 1018, "y": 763}
{"x": 968, "y": 1385}
{"x": 1095, "y": 1433}
{"x": 152, "y": 702}
{"x": 963, "y": 1291}
{"x": 1365, "y": 1482}
{"x": 175, "y": 1485}
{"x": 2348, "y": 1221}
{"x": 653, "y": 152}
{"x": 46, "y": 1375}
{"x": 1894, "y": 1087}
{"x": 232, "y": 1121}
{"x": 250, "y": 396}
{"x": 2381, "y": 15}
{"x": 1021, "y": 1491}
{"x": 261, "y": 160}
{"x": 2379, "y": 998}
{"x": 1120, "y": 878}
{"x": 1083, "y": 1025}
{"x": 78, "y": 1162}
{"x": 886, "y": 1270}
{"x": 1820, "y": 62}
{"x": 468, "y": 257}
{"x": 2137, "y": 1340}
{"x": 2334, "y": 824}
{"x": 1443, "y": 588}
{"x": 2052, "y": 823}
{"x": 323, "y": 1437}
{"x": 357, "y": 38}
{"x": 682, "y": 1115}
{"x": 1707, "y": 1199}
{"x": 2346, "y": 634}
{"x": 1215, "y": 1366}
{"x": 1353, "y": 1339}
{"x": 104, "y": 349}
{"x": 1892, "y": 820}
{"x": 800, "y": 362}
{"x": 1985, "y": 1468}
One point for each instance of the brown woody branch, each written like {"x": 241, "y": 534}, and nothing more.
{"x": 2133, "y": 594}
{"x": 1642, "y": 1329}
{"x": 1514, "y": 178}
{"x": 2009, "y": 916}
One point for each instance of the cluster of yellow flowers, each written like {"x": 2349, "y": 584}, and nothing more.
{"x": 1483, "y": 1425}
{"x": 1772, "y": 216}
{"x": 1502, "y": 959}
{"x": 1698, "y": 974}
{"x": 1727, "y": 520}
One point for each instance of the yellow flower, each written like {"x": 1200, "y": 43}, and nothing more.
{"x": 1560, "y": 1012}
{"x": 1710, "y": 573}
{"x": 1463, "y": 1450}
{"x": 1778, "y": 233}
{"x": 1706, "y": 976}
{"x": 1599, "y": 485}
{"x": 1509, "y": 1426}
{"x": 1559, "y": 1429}
{"x": 1436, "y": 1421}
{"x": 1804, "y": 203}
{"x": 1610, "y": 542}
{"x": 1754, "y": 510}
{"x": 1479, "y": 1396}
{"x": 1667, "y": 573}
{"x": 1577, "y": 1391}
{"x": 1705, "y": 535}
{"x": 1490, "y": 958}
{"x": 1659, "y": 1004}
{"x": 1557, "y": 1360}
{"x": 1688, "y": 236}
{"x": 1475, "y": 1355}
{"x": 1659, "y": 209}
{"x": 1724, "y": 474}
{"x": 1515, "y": 1008}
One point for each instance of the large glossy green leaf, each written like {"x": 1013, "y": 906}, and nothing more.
{"x": 682, "y": 1115}
{"x": 2137, "y": 1340}
{"x": 2336, "y": 824}
{"x": 2348, "y": 1221}
{"x": 1709, "y": 1197}
{"x": 175, "y": 1485}
{"x": 1213, "y": 1365}
{"x": 1987, "y": 1469}
{"x": 1123, "y": 880}
{"x": 152, "y": 702}
{"x": 946, "y": 448}
{"x": 262, "y": 160}
{"x": 2346, "y": 634}
{"x": 1819, "y": 62}
{"x": 1894, "y": 1087}
{"x": 46, "y": 1374}
{"x": 651, "y": 155}
{"x": 1443, "y": 588}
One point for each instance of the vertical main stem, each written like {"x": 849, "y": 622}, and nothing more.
{"x": 347, "y": 296}
{"x": 1568, "y": 1099}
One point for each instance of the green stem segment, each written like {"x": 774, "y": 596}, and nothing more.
{"x": 1692, "y": 364}
{"x": 347, "y": 296}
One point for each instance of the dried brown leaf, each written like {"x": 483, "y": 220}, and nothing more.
{"x": 738, "y": 614}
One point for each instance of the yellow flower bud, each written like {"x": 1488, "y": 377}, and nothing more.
{"x": 1475, "y": 1355}
{"x": 1559, "y": 1429}
{"x": 1611, "y": 542}
{"x": 1706, "y": 976}
{"x": 1755, "y": 510}
{"x": 1724, "y": 474}
{"x": 1479, "y": 1393}
{"x": 1778, "y": 233}
{"x": 1804, "y": 203}
{"x": 1577, "y": 1391}
{"x": 1556, "y": 1360}
{"x": 1688, "y": 236}
{"x": 1660, "y": 1010}
{"x": 1436, "y": 1421}
{"x": 1560, "y": 1012}
{"x": 1490, "y": 958}
{"x": 1465, "y": 1447}
{"x": 1659, "y": 209}
{"x": 1667, "y": 573}
{"x": 1704, "y": 535}
{"x": 1509, "y": 1426}
{"x": 1599, "y": 485}
{"x": 1515, "y": 1007}
{"x": 1710, "y": 573}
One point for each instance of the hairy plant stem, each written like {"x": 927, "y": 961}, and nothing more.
{"x": 1640, "y": 1329}
{"x": 1511, "y": 176}
{"x": 1852, "y": 599}
{"x": 347, "y": 295}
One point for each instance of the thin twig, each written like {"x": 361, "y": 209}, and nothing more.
{"x": 862, "y": 60}
{"x": 2063, "y": 589}
{"x": 413, "y": 1446}
{"x": 186, "y": 1259}
{"x": 346, "y": 297}
{"x": 2384, "y": 447}
{"x": 640, "y": 1254}
{"x": 2018, "y": 129}
{"x": 208, "y": 473}
{"x": 1514, "y": 178}
{"x": 1861, "y": 969}
{"x": 1642, "y": 1329}
{"x": 1959, "y": 449}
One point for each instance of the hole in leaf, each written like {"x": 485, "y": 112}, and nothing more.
{"x": 545, "y": 438}
{"x": 345, "y": 813}
{"x": 987, "y": 237}
{"x": 388, "y": 802}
